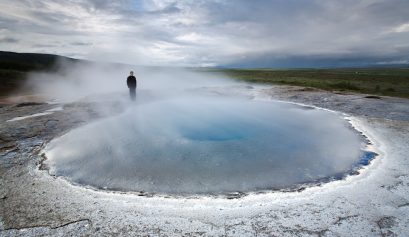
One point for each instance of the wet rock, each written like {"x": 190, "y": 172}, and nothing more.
{"x": 76, "y": 228}
{"x": 386, "y": 222}
{"x": 7, "y": 146}
{"x": 51, "y": 123}
{"x": 373, "y": 97}
{"x": 29, "y": 104}
{"x": 235, "y": 195}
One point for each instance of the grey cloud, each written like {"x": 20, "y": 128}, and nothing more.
{"x": 390, "y": 12}
{"x": 81, "y": 43}
{"x": 315, "y": 61}
{"x": 218, "y": 32}
{"x": 8, "y": 40}
{"x": 7, "y": 23}
{"x": 44, "y": 45}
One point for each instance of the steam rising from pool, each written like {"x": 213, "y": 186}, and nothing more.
{"x": 198, "y": 144}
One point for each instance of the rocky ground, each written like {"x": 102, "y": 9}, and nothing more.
{"x": 373, "y": 203}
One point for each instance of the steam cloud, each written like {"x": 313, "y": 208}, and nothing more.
{"x": 74, "y": 81}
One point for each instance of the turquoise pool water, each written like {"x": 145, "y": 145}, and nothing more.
{"x": 207, "y": 145}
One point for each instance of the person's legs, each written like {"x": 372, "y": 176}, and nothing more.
{"x": 132, "y": 93}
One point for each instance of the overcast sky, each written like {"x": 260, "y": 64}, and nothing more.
{"x": 256, "y": 33}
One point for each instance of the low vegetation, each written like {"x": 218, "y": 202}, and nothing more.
{"x": 378, "y": 81}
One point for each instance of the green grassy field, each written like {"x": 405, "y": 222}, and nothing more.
{"x": 378, "y": 81}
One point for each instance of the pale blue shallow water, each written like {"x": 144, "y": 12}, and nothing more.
{"x": 200, "y": 145}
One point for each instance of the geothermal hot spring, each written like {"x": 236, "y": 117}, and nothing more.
{"x": 208, "y": 145}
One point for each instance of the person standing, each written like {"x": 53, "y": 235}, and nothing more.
{"x": 131, "y": 82}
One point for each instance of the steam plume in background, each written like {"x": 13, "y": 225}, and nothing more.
{"x": 73, "y": 81}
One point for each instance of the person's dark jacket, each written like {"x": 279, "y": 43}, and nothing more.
{"x": 131, "y": 82}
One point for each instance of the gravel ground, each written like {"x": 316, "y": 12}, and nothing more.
{"x": 373, "y": 203}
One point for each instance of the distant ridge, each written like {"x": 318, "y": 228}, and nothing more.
{"x": 15, "y": 66}
{"x": 30, "y": 61}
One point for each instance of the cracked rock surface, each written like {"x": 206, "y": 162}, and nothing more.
{"x": 373, "y": 203}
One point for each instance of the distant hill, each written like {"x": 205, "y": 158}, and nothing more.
{"x": 15, "y": 66}
{"x": 30, "y": 61}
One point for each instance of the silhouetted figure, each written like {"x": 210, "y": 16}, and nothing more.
{"x": 131, "y": 82}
